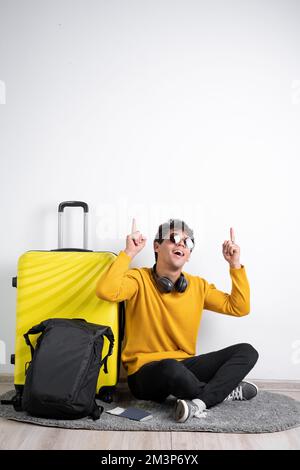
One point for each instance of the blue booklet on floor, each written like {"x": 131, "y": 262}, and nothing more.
{"x": 132, "y": 413}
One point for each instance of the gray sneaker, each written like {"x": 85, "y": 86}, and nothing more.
{"x": 186, "y": 409}
{"x": 244, "y": 391}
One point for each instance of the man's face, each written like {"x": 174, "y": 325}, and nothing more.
{"x": 173, "y": 255}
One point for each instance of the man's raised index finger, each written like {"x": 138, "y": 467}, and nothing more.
{"x": 232, "y": 236}
{"x": 133, "y": 227}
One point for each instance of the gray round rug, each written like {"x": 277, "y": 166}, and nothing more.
{"x": 267, "y": 412}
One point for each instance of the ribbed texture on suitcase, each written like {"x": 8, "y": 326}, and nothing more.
{"x": 63, "y": 284}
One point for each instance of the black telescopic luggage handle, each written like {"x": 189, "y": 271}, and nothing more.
{"x": 64, "y": 204}
{"x": 61, "y": 208}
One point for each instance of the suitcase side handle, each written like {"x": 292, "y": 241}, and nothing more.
{"x": 61, "y": 208}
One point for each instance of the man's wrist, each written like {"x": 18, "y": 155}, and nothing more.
{"x": 129, "y": 254}
{"x": 236, "y": 266}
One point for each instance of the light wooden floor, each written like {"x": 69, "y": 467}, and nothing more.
{"x": 15, "y": 435}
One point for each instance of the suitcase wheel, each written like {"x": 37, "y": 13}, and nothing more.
{"x": 105, "y": 395}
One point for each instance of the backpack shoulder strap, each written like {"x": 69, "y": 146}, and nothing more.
{"x": 96, "y": 411}
{"x": 109, "y": 335}
{"x": 16, "y": 401}
{"x": 34, "y": 331}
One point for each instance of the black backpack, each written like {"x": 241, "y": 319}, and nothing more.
{"x": 61, "y": 378}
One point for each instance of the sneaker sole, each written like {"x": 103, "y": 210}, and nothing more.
{"x": 181, "y": 411}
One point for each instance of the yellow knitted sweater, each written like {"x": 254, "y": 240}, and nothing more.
{"x": 165, "y": 325}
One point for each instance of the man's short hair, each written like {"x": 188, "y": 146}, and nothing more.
{"x": 169, "y": 226}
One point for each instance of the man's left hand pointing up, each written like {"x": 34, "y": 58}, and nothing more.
{"x": 231, "y": 251}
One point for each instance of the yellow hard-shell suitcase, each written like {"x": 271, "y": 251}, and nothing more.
{"x": 62, "y": 283}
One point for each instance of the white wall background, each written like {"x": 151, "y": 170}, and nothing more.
{"x": 158, "y": 109}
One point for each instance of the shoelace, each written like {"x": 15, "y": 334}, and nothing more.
{"x": 236, "y": 394}
{"x": 198, "y": 413}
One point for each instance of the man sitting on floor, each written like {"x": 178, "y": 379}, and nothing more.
{"x": 163, "y": 312}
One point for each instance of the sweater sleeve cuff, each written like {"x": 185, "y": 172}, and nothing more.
{"x": 124, "y": 257}
{"x": 238, "y": 272}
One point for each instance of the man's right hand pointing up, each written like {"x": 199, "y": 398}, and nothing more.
{"x": 135, "y": 241}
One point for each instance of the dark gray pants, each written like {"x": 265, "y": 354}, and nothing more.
{"x": 210, "y": 377}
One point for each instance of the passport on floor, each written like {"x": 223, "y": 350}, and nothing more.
{"x": 132, "y": 413}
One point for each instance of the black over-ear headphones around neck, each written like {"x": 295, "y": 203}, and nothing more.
{"x": 165, "y": 285}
